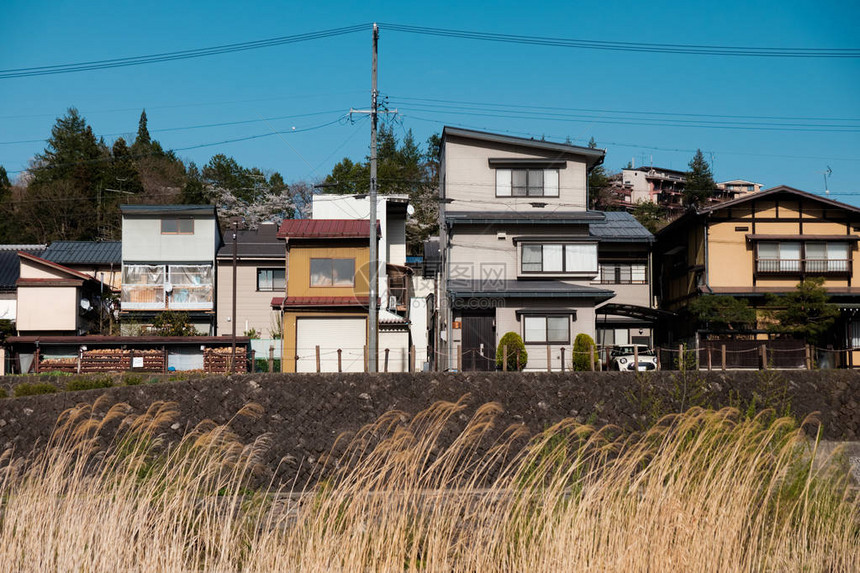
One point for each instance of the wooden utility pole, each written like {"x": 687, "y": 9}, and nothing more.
{"x": 374, "y": 264}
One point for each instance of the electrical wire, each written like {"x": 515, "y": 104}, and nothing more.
{"x": 742, "y": 51}
{"x": 179, "y": 55}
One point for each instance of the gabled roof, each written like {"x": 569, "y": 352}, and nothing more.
{"x": 621, "y": 227}
{"x": 171, "y": 210}
{"x": 477, "y": 288}
{"x": 325, "y": 229}
{"x": 72, "y": 273}
{"x": 84, "y": 252}
{"x": 593, "y": 156}
{"x": 774, "y": 191}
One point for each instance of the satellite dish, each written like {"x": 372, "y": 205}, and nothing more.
{"x": 410, "y": 210}
{"x": 85, "y": 304}
{"x": 168, "y": 288}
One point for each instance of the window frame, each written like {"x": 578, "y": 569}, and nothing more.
{"x": 804, "y": 264}
{"x": 178, "y": 230}
{"x": 273, "y": 270}
{"x": 546, "y": 318}
{"x": 504, "y": 182}
{"x": 564, "y": 259}
{"x": 332, "y": 259}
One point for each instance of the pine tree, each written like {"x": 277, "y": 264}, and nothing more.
{"x": 143, "y": 142}
{"x": 700, "y": 183}
{"x": 598, "y": 182}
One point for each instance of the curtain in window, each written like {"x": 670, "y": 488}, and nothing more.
{"x": 581, "y": 258}
{"x": 519, "y": 181}
{"x": 637, "y": 273}
{"x": 503, "y": 182}
{"x": 552, "y": 259}
{"x": 557, "y": 328}
{"x": 550, "y": 183}
{"x": 191, "y": 285}
{"x": 534, "y": 328}
{"x": 837, "y": 257}
{"x": 789, "y": 257}
{"x": 816, "y": 257}
{"x": 768, "y": 257}
{"x": 532, "y": 258}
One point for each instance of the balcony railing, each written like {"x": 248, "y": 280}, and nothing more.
{"x": 806, "y": 266}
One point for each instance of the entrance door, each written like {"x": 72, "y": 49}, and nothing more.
{"x": 479, "y": 342}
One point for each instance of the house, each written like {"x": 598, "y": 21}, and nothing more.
{"x": 401, "y": 293}
{"x": 656, "y": 185}
{"x": 624, "y": 264}
{"x": 759, "y": 244}
{"x": 325, "y": 305}
{"x": 56, "y": 300}
{"x": 10, "y": 268}
{"x": 260, "y": 274}
{"x": 516, "y": 251}
{"x": 102, "y": 260}
{"x": 168, "y": 263}
{"x": 738, "y": 187}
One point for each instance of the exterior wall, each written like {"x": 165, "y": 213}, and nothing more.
{"x": 397, "y": 343}
{"x": 143, "y": 242}
{"x": 638, "y": 180}
{"x": 471, "y": 183}
{"x": 299, "y": 275}
{"x": 48, "y": 308}
{"x": 33, "y": 270}
{"x": 290, "y": 346}
{"x": 253, "y": 307}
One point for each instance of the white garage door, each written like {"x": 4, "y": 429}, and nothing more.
{"x": 330, "y": 334}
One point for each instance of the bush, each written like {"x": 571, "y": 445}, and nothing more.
{"x": 262, "y": 365}
{"x": 581, "y": 344}
{"x": 516, "y": 347}
{"x": 3, "y": 393}
{"x": 89, "y": 383}
{"x": 27, "y": 389}
{"x": 132, "y": 379}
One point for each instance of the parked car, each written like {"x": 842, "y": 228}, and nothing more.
{"x": 622, "y": 357}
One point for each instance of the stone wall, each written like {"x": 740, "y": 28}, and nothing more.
{"x": 304, "y": 414}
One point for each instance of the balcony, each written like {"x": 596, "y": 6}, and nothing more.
{"x": 822, "y": 267}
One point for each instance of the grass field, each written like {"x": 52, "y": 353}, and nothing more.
{"x": 700, "y": 491}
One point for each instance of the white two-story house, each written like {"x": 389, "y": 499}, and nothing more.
{"x": 517, "y": 253}
{"x": 168, "y": 264}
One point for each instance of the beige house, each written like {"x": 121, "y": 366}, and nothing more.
{"x": 55, "y": 300}
{"x": 516, "y": 250}
{"x": 260, "y": 275}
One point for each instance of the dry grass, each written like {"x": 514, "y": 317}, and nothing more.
{"x": 703, "y": 491}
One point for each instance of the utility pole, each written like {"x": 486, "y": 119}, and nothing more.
{"x": 373, "y": 318}
{"x": 233, "y": 318}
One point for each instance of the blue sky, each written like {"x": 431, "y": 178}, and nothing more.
{"x": 770, "y": 120}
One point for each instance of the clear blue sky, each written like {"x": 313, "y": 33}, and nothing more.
{"x": 648, "y": 107}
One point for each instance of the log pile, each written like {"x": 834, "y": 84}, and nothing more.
{"x": 117, "y": 359}
{"x": 218, "y": 359}
{"x": 58, "y": 365}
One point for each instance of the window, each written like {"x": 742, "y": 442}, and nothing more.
{"x": 559, "y": 258}
{"x": 332, "y": 272}
{"x": 546, "y": 329}
{"x": 623, "y": 273}
{"x": 143, "y": 287}
{"x": 177, "y": 226}
{"x": 190, "y": 287}
{"x": 817, "y": 257}
{"x": 160, "y": 287}
{"x": 526, "y": 182}
{"x": 271, "y": 279}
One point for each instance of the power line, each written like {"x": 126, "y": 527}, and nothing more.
{"x": 746, "y": 51}
{"x": 180, "y": 55}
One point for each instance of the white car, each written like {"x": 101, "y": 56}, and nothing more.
{"x": 621, "y": 358}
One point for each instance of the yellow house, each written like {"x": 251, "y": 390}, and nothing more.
{"x": 763, "y": 243}
{"x": 325, "y": 304}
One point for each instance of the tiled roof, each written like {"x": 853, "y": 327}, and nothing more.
{"x": 167, "y": 209}
{"x": 280, "y": 301}
{"x": 10, "y": 267}
{"x": 620, "y": 226}
{"x": 84, "y": 252}
{"x": 325, "y": 229}
{"x": 468, "y": 288}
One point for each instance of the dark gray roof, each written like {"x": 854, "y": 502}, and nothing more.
{"x": 594, "y": 156}
{"x": 620, "y": 227}
{"x": 199, "y": 210}
{"x": 547, "y": 288}
{"x": 10, "y": 267}
{"x": 525, "y": 217}
{"x": 262, "y": 243}
{"x": 84, "y": 252}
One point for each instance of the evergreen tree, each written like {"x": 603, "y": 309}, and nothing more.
{"x": 6, "y": 208}
{"x": 598, "y": 183}
{"x": 143, "y": 142}
{"x": 700, "y": 183}
{"x": 805, "y": 312}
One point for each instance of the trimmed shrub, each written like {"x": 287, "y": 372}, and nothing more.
{"x": 132, "y": 379}
{"x": 581, "y": 344}
{"x": 27, "y": 389}
{"x": 3, "y": 393}
{"x": 516, "y": 347}
{"x": 262, "y": 365}
{"x": 88, "y": 383}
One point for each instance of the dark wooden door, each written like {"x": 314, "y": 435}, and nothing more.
{"x": 479, "y": 342}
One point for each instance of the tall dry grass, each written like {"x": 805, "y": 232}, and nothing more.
{"x": 701, "y": 491}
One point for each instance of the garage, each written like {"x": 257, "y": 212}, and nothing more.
{"x": 330, "y": 334}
